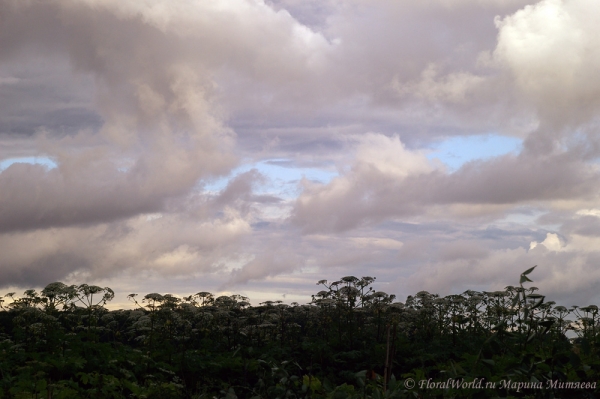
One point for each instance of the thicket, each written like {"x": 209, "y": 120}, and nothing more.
{"x": 350, "y": 341}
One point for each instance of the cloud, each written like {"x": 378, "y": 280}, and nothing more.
{"x": 271, "y": 262}
{"x": 385, "y": 180}
{"x": 551, "y": 50}
{"x": 162, "y": 244}
{"x": 552, "y": 243}
{"x": 391, "y": 67}
{"x": 347, "y": 199}
{"x": 142, "y": 105}
{"x": 561, "y": 269}
{"x": 155, "y": 132}
{"x": 188, "y": 235}
{"x": 553, "y": 166}
{"x": 452, "y": 88}
{"x": 160, "y": 131}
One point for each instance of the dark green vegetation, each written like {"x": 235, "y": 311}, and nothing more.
{"x": 349, "y": 342}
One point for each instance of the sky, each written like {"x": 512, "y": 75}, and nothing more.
{"x": 256, "y": 147}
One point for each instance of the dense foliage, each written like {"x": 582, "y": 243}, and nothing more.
{"x": 349, "y": 342}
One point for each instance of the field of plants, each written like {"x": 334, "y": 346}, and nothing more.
{"x": 350, "y": 341}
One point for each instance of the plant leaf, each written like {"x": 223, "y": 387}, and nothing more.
{"x": 524, "y": 278}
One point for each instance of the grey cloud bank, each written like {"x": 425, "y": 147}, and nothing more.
{"x": 142, "y": 105}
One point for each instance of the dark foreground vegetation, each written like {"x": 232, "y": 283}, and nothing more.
{"x": 349, "y": 342}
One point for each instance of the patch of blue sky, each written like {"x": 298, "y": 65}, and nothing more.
{"x": 456, "y": 151}
{"x": 45, "y": 161}
{"x": 282, "y": 176}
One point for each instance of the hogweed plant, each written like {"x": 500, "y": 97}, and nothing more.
{"x": 349, "y": 341}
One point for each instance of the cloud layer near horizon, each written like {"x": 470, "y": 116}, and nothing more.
{"x": 143, "y": 106}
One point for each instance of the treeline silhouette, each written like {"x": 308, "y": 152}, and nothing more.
{"x": 350, "y": 341}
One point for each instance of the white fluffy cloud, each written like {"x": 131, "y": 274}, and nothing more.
{"x": 551, "y": 49}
